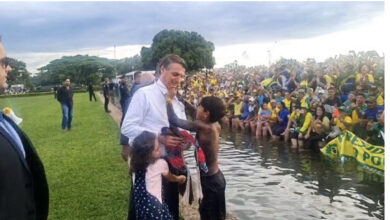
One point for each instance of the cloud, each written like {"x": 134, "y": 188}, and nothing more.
{"x": 39, "y": 32}
{"x": 54, "y": 26}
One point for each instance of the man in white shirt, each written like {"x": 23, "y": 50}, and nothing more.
{"x": 147, "y": 111}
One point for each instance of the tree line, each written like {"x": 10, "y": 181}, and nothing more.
{"x": 84, "y": 69}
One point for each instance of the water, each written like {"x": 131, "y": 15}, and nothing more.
{"x": 269, "y": 180}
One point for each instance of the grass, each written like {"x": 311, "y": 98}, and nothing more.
{"x": 86, "y": 175}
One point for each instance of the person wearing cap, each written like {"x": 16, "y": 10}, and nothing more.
{"x": 343, "y": 121}
{"x": 24, "y": 192}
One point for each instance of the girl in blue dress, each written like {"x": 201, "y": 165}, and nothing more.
{"x": 148, "y": 169}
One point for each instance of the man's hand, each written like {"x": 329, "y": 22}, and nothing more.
{"x": 170, "y": 141}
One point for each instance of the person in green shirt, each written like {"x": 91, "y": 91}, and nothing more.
{"x": 376, "y": 132}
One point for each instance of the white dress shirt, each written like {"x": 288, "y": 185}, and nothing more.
{"x": 148, "y": 111}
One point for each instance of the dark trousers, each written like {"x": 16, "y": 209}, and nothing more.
{"x": 106, "y": 103}
{"x": 213, "y": 206}
{"x": 92, "y": 94}
{"x": 171, "y": 197}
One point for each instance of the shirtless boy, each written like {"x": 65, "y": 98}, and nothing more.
{"x": 209, "y": 112}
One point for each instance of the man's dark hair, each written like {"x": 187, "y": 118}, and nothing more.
{"x": 360, "y": 94}
{"x": 137, "y": 74}
{"x": 214, "y": 106}
{"x": 143, "y": 146}
{"x": 172, "y": 58}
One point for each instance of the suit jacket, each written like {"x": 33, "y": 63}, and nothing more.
{"x": 24, "y": 193}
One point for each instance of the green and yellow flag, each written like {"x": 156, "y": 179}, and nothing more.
{"x": 350, "y": 146}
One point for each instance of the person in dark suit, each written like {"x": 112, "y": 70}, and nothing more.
{"x": 24, "y": 192}
{"x": 91, "y": 92}
{"x": 106, "y": 94}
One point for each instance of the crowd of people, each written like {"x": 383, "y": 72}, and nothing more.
{"x": 303, "y": 102}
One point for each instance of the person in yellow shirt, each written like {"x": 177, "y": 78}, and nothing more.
{"x": 364, "y": 77}
{"x": 237, "y": 110}
{"x": 343, "y": 121}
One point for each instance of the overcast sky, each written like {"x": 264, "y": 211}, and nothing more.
{"x": 37, "y": 32}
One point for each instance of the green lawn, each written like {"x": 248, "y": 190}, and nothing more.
{"x": 86, "y": 175}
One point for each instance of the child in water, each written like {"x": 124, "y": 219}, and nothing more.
{"x": 148, "y": 167}
{"x": 209, "y": 111}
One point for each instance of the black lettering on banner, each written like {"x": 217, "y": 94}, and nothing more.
{"x": 366, "y": 156}
{"x": 376, "y": 160}
{"x": 378, "y": 151}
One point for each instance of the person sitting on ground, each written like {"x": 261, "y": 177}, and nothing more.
{"x": 250, "y": 122}
{"x": 303, "y": 123}
{"x": 263, "y": 125}
{"x": 209, "y": 112}
{"x": 282, "y": 121}
{"x": 237, "y": 111}
{"x": 148, "y": 168}
{"x": 245, "y": 113}
{"x": 319, "y": 128}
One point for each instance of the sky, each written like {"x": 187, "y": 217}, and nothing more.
{"x": 252, "y": 33}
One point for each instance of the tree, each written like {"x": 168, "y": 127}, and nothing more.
{"x": 19, "y": 74}
{"x": 80, "y": 69}
{"x": 191, "y": 46}
{"x": 129, "y": 64}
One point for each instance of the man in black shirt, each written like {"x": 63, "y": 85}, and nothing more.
{"x": 91, "y": 92}
{"x": 106, "y": 94}
{"x": 65, "y": 97}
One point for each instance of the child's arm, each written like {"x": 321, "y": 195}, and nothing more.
{"x": 185, "y": 124}
{"x": 173, "y": 178}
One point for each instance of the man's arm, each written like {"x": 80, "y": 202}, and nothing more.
{"x": 134, "y": 116}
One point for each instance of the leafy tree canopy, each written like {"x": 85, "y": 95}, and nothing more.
{"x": 19, "y": 74}
{"x": 191, "y": 46}
{"x": 81, "y": 69}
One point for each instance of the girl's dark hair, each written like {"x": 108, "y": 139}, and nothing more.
{"x": 142, "y": 148}
{"x": 323, "y": 112}
{"x": 214, "y": 106}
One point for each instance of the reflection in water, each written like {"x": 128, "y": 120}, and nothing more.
{"x": 269, "y": 180}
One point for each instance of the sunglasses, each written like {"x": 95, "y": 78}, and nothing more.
{"x": 5, "y": 61}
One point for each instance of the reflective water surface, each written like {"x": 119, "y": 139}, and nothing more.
{"x": 269, "y": 180}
